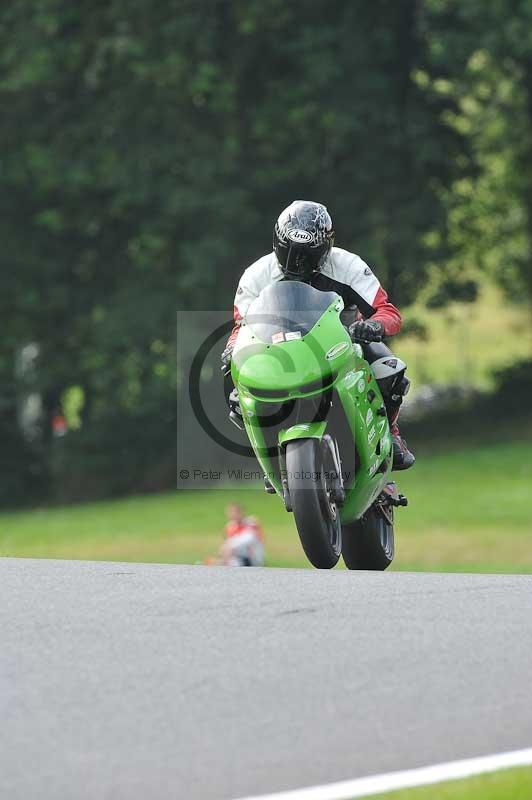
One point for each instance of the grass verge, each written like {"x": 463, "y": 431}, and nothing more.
{"x": 512, "y": 784}
{"x": 469, "y": 511}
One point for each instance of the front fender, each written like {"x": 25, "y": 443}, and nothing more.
{"x": 303, "y": 430}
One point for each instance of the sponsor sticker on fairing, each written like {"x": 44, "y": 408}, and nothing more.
{"x": 277, "y": 337}
{"x": 336, "y": 350}
{"x": 369, "y": 417}
{"x": 292, "y": 335}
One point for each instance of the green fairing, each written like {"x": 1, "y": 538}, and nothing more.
{"x": 305, "y": 430}
{"x": 288, "y": 369}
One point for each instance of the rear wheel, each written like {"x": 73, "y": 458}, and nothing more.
{"x": 311, "y": 486}
{"x": 368, "y": 543}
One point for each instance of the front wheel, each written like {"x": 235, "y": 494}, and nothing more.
{"x": 310, "y": 477}
{"x": 368, "y": 543}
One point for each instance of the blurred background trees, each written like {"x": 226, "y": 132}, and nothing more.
{"x": 146, "y": 150}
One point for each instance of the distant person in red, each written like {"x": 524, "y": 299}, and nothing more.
{"x": 59, "y": 423}
{"x": 244, "y": 540}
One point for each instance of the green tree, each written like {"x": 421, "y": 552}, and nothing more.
{"x": 488, "y": 52}
{"x": 146, "y": 152}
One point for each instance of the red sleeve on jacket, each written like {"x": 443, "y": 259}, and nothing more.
{"x": 386, "y": 313}
{"x": 234, "y": 333}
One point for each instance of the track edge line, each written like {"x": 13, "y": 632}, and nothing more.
{"x": 404, "y": 779}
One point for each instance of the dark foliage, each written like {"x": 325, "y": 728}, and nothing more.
{"x": 146, "y": 150}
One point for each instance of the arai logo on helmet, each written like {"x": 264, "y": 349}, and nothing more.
{"x": 299, "y": 236}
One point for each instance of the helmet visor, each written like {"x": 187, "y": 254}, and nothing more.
{"x": 298, "y": 262}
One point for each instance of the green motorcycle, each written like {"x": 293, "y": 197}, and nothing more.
{"x": 317, "y": 423}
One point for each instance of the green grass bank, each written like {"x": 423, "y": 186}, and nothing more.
{"x": 512, "y": 784}
{"x": 469, "y": 511}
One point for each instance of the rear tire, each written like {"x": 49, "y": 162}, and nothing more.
{"x": 316, "y": 515}
{"x": 368, "y": 543}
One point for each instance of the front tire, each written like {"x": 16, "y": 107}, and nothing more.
{"x": 308, "y": 465}
{"x": 368, "y": 543}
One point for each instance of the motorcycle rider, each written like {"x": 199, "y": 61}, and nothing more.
{"x": 303, "y": 250}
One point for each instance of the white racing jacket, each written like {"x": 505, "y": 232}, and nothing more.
{"x": 344, "y": 273}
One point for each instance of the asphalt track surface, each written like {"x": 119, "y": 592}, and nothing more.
{"x": 156, "y": 681}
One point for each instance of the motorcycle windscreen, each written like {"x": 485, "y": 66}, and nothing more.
{"x": 287, "y": 310}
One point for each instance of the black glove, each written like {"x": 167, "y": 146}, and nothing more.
{"x": 366, "y": 330}
{"x": 226, "y": 360}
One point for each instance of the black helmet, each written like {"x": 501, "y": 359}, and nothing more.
{"x": 302, "y": 239}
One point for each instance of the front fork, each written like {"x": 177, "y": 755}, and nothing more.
{"x": 338, "y": 489}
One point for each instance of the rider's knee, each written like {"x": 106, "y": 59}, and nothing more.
{"x": 389, "y": 372}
